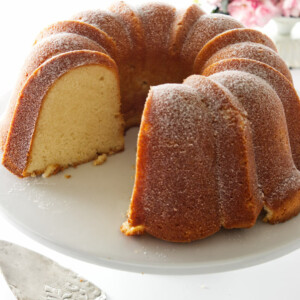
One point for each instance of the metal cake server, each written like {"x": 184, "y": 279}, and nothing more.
{"x": 32, "y": 276}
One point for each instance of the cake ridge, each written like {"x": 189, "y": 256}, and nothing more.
{"x": 283, "y": 87}
{"x": 265, "y": 103}
{"x": 211, "y": 25}
{"x": 251, "y": 50}
{"x": 83, "y": 29}
{"x": 112, "y": 26}
{"x": 230, "y": 37}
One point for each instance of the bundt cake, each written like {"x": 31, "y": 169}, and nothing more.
{"x": 213, "y": 151}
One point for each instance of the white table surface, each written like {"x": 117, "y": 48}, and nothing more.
{"x": 278, "y": 279}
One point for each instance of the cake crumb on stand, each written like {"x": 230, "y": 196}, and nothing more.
{"x": 100, "y": 159}
{"x": 50, "y": 170}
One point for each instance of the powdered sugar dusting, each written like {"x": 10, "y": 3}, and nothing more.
{"x": 230, "y": 37}
{"x": 113, "y": 26}
{"x": 157, "y": 20}
{"x": 271, "y": 144}
{"x": 207, "y": 27}
{"x": 171, "y": 160}
{"x": 83, "y": 29}
{"x": 56, "y": 44}
{"x": 280, "y": 84}
{"x": 130, "y": 19}
{"x": 235, "y": 163}
{"x": 253, "y": 51}
{"x": 185, "y": 19}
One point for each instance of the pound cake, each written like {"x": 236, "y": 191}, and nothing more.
{"x": 218, "y": 140}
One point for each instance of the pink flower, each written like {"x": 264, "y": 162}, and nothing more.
{"x": 243, "y": 11}
{"x": 290, "y": 8}
{"x": 253, "y": 12}
{"x": 258, "y": 12}
{"x": 265, "y": 12}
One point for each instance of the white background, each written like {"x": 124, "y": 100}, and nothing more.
{"x": 20, "y": 21}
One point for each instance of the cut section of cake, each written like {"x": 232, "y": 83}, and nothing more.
{"x": 73, "y": 116}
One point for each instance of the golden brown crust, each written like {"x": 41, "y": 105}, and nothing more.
{"x": 157, "y": 20}
{"x": 133, "y": 91}
{"x": 206, "y": 28}
{"x": 183, "y": 23}
{"x": 31, "y": 97}
{"x": 185, "y": 19}
{"x": 158, "y": 24}
{"x": 150, "y": 207}
{"x": 130, "y": 18}
{"x": 240, "y": 206}
{"x": 277, "y": 175}
{"x": 252, "y": 51}
{"x": 220, "y": 137}
{"x": 282, "y": 86}
{"x": 82, "y": 29}
{"x": 226, "y": 38}
{"x": 113, "y": 27}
